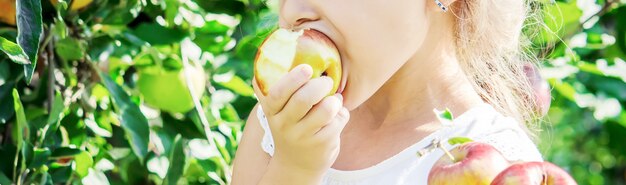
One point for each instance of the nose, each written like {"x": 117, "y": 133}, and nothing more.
{"x": 294, "y": 13}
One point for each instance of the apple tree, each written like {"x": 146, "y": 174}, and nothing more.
{"x": 125, "y": 91}
{"x": 585, "y": 65}
{"x": 157, "y": 91}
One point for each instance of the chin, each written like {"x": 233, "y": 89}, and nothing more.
{"x": 351, "y": 100}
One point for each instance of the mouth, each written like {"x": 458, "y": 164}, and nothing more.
{"x": 344, "y": 77}
{"x": 344, "y": 69}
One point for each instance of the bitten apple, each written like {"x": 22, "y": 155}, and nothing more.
{"x": 533, "y": 173}
{"x": 285, "y": 49}
{"x": 472, "y": 163}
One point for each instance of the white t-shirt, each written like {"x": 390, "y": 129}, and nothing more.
{"x": 481, "y": 123}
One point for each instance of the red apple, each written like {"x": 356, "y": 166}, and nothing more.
{"x": 541, "y": 89}
{"x": 533, "y": 173}
{"x": 285, "y": 49}
{"x": 471, "y": 163}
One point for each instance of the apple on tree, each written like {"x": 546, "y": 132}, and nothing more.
{"x": 7, "y": 7}
{"x": 283, "y": 50}
{"x": 167, "y": 90}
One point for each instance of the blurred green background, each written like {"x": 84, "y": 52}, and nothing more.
{"x": 96, "y": 92}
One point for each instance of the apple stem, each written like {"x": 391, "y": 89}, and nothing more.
{"x": 440, "y": 146}
{"x": 448, "y": 154}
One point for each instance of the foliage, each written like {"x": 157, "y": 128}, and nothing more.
{"x": 587, "y": 72}
{"x": 71, "y": 109}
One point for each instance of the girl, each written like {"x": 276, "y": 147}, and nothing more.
{"x": 401, "y": 60}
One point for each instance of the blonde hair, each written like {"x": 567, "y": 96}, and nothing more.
{"x": 493, "y": 51}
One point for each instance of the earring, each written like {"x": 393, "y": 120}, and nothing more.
{"x": 443, "y": 7}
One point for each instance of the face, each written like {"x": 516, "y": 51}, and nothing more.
{"x": 374, "y": 37}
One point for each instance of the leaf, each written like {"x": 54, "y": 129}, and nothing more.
{"x": 560, "y": 19}
{"x": 7, "y": 109}
{"x": 65, "y": 152}
{"x": 60, "y": 174}
{"x": 39, "y": 157}
{"x": 158, "y": 165}
{"x": 95, "y": 177}
{"x": 177, "y": 160}
{"x": 4, "y": 179}
{"x": 459, "y": 140}
{"x": 93, "y": 126}
{"x": 55, "y": 115}
{"x": 123, "y": 12}
{"x": 133, "y": 121}
{"x": 156, "y": 34}
{"x": 14, "y": 51}
{"x": 237, "y": 85}
{"x": 20, "y": 130}
{"x": 444, "y": 115}
{"x": 29, "y": 27}
{"x": 70, "y": 49}
{"x": 621, "y": 28}
{"x": 83, "y": 163}
{"x": 564, "y": 89}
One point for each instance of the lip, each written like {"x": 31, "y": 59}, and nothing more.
{"x": 344, "y": 70}
{"x": 344, "y": 77}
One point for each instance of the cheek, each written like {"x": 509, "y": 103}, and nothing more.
{"x": 376, "y": 46}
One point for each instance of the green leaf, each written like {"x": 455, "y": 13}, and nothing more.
{"x": 60, "y": 174}
{"x": 560, "y": 19}
{"x": 70, "y": 49}
{"x": 29, "y": 26}
{"x": 123, "y": 12}
{"x": 621, "y": 28}
{"x": 14, "y": 51}
{"x": 444, "y": 115}
{"x": 459, "y": 140}
{"x": 20, "y": 130}
{"x": 59, "y": 28}
{"x": 55, "y": 115}
{"x": 177, "y": 160}
{"x": 133, "y": 121}
{"x": 39, "y": 158}
{"x": 564, "y": 89}
{"x": 7, "y": 109}
{"x": 237, "y": 85}
{"x": 83, "y": 162}
{"x": 156, "y": 34}
{"x": 4, "y": 179}
{"x": 64, "y": 152}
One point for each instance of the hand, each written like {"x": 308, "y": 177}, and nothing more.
{"x": 305, "y": 122}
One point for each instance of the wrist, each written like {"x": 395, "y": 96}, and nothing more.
{"x": 280, "y": 171}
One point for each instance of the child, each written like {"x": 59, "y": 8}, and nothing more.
{"x": 402, "y": 59}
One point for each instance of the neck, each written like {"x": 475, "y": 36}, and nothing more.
{"x": 431, "y": 79}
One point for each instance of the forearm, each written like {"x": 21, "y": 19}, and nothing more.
{"x": 281, "y": 174}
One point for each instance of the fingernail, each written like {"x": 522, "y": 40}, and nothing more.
{"x": 340, "y": 97}
{"x": 329, "y": 79}
{"x": 306, "y": 70}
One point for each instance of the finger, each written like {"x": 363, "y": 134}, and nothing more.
{"x": 321, "y": 114}
{"x": 262, "y": 98}
{"x": 333, "y": 129}
{"x": 279, "y": 93}
{"x": 303, "y": 100}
